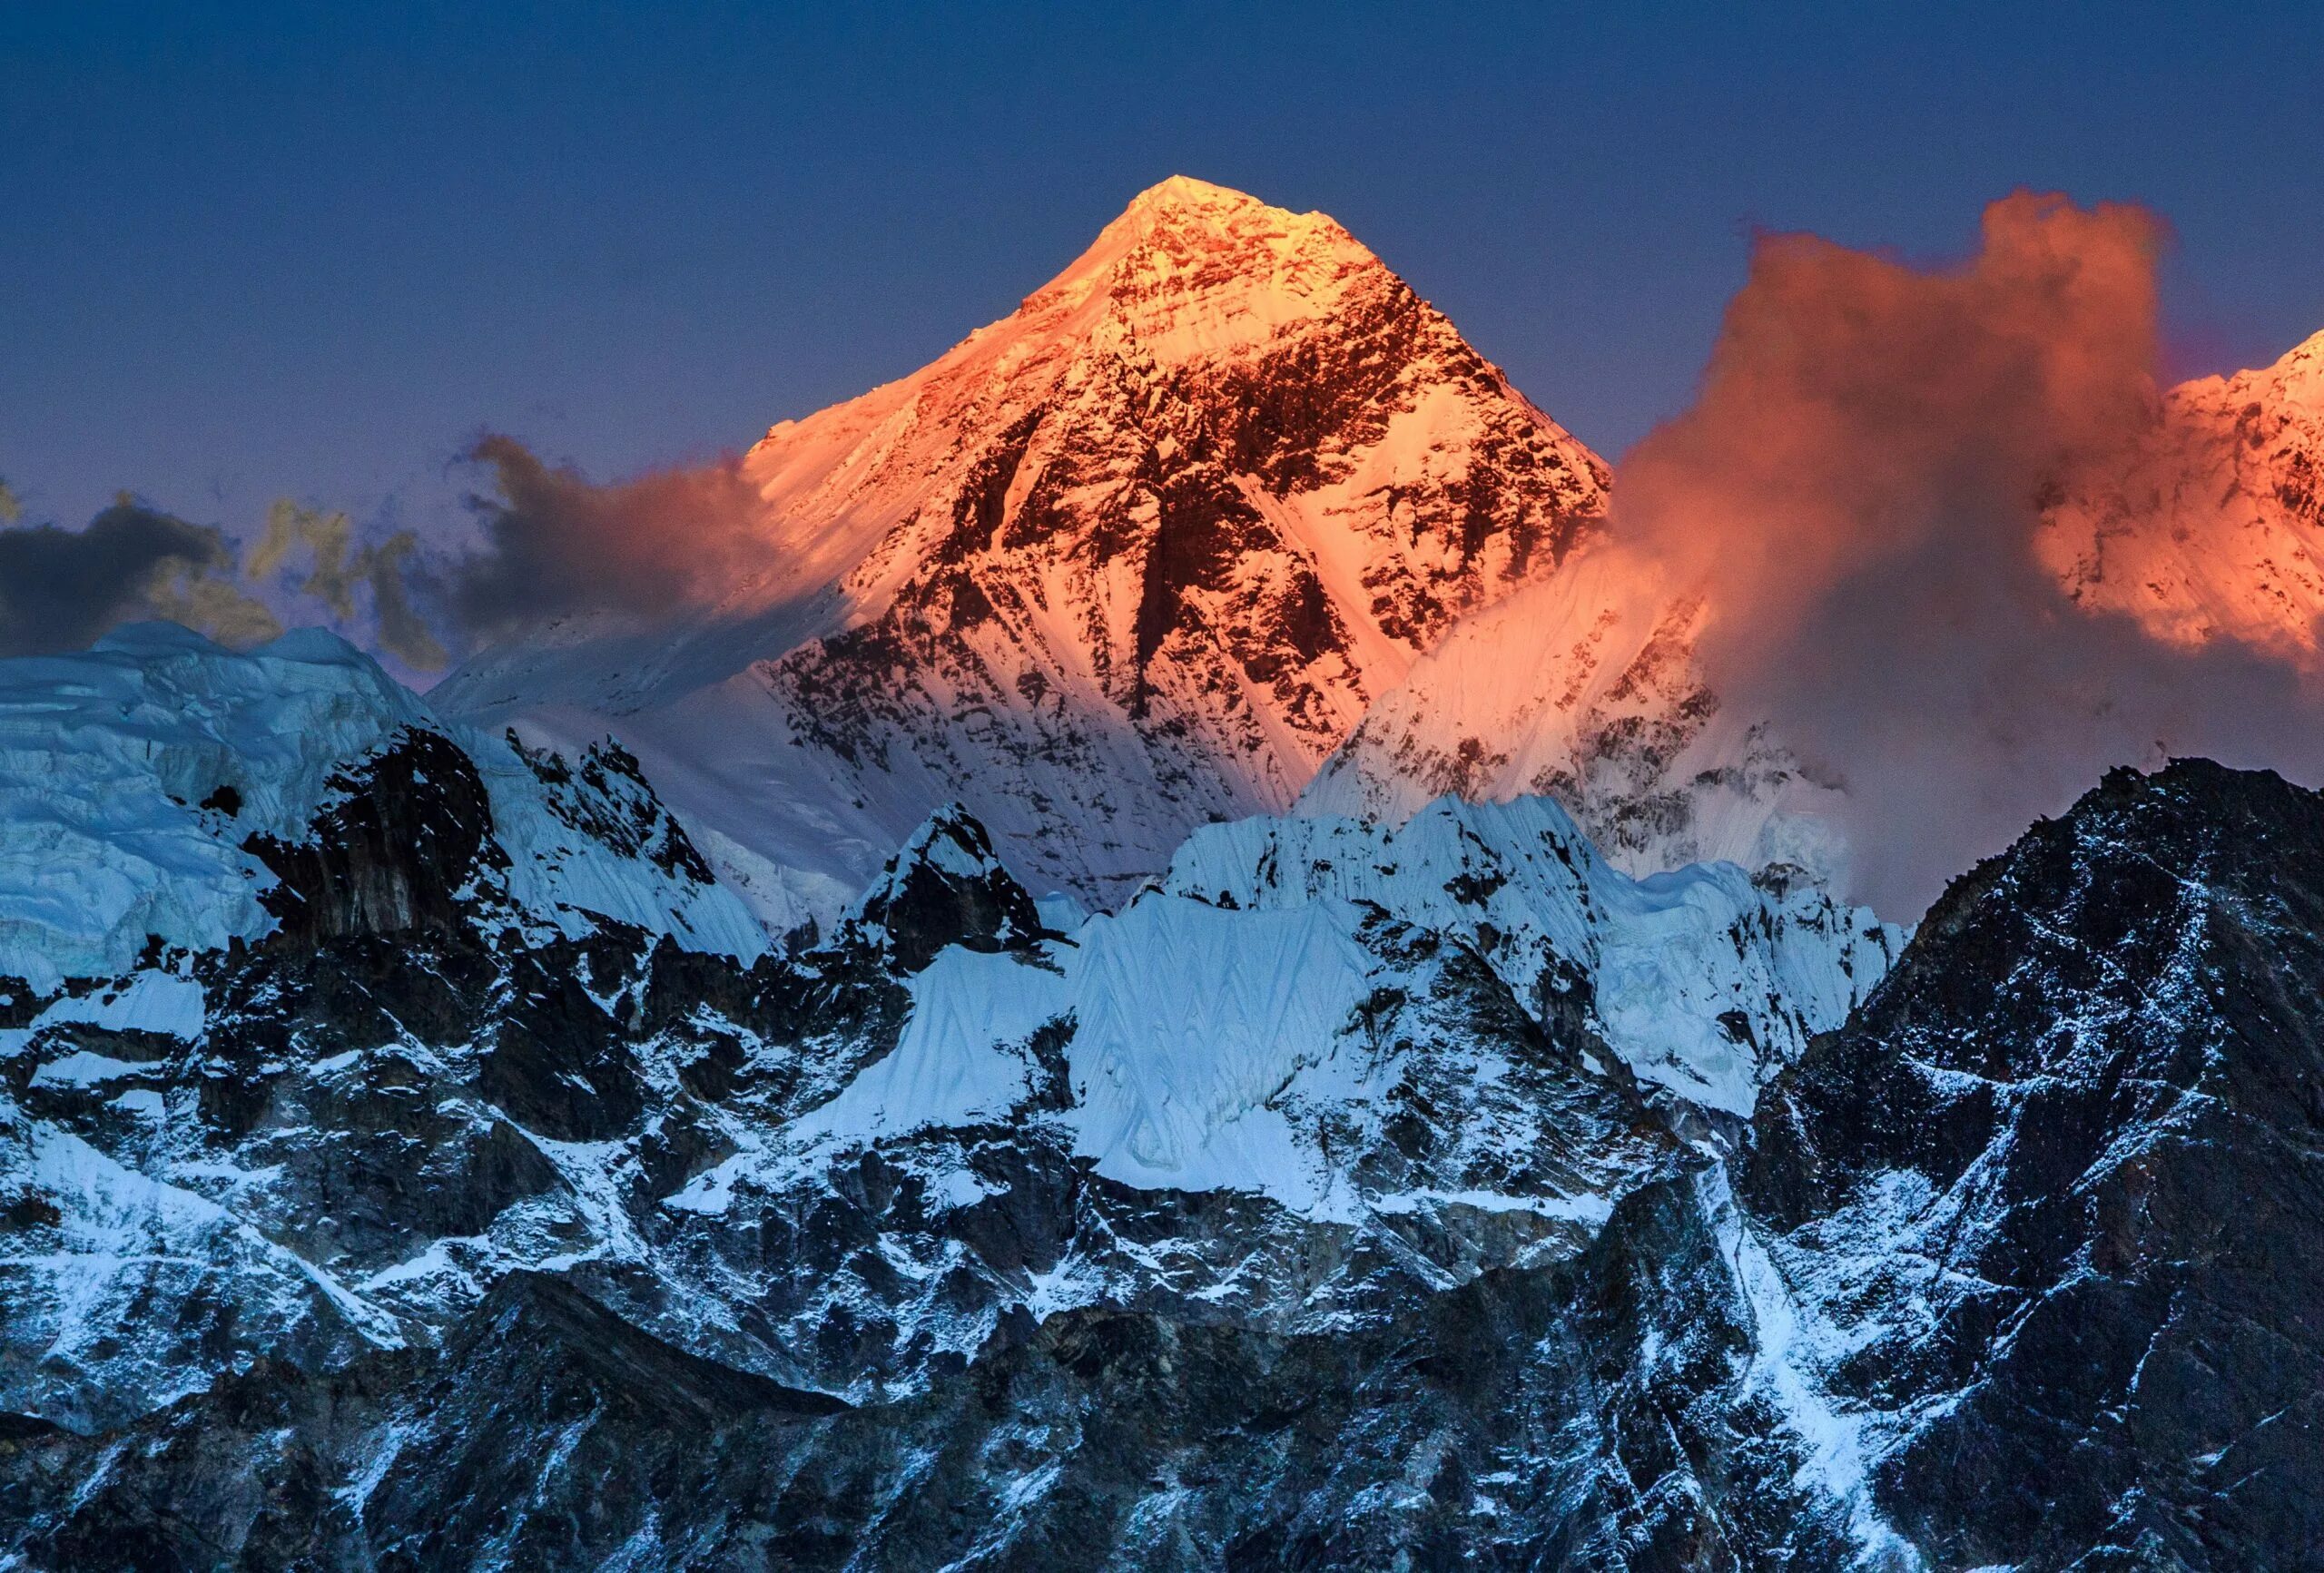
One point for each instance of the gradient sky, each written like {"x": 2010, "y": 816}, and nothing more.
{"x": 250, "y": 251}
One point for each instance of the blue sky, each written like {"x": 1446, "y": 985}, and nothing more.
{"x": 251, "y": 251}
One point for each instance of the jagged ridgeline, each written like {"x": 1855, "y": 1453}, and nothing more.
{"x": 914, "y": 1103}
{"x": 477, "y": 1187}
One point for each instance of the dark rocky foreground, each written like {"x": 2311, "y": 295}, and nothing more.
{"x": 2021, "y": 1268}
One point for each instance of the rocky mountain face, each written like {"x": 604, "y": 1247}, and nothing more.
{"x": 1355, "y": 1197}
{"x": 2056, "y": 1191}
{"x": 1135, "y": 557}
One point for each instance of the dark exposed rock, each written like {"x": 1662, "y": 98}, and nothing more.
{"x": 410, "y": 834}
{"x": 2065, "y": 1171}
{"x": 2020, "y": 1269}
{"x": 609, "y": 800}
{"x": 944, "y": 888}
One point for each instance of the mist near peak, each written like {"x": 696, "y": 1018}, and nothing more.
{"x": 1858, "y": 490}
{"x": 556, "y": 543}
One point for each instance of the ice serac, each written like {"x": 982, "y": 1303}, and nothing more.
{"x": 1134, "y": 557}
{"x": 1706, "y": 979}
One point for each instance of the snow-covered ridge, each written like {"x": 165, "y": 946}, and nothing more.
{"x": 2216, "y": 528}
{"x": 132, "y": 777}
{"x": 1705, "y": 979}
{"x": 1234, "y": 1027}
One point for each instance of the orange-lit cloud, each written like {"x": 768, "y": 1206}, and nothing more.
{"x": 1858, "y": 488}
{"x": 557, "y": 543}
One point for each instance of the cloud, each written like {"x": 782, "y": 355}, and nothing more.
{"x": 60, "y": 589}
{"x": 557, "y": 543}
{"x": 1857, "y": 488}
{"x": 337, "y": 567}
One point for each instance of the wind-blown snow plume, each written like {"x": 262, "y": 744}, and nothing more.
{"x": 1860, "y": 485}
{"x": 558, "y": 542}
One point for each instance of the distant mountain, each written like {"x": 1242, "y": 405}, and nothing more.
{"x": 1584, "y": 685}
{"x": 2217, "y": 529}
{"x": 1135, "y": 557}
{"x": 1225, "y": 519}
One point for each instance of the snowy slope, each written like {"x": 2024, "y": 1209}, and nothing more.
{"x": 1584, "y": 687}
{"x": 1191, "y": 1032}
{"x": 1703, "y": 979}
{"x": 2217, "y": 529}
{"x": 135, "y": 780}
{"x": 1225, "y": 1030}
{"x": 1134, "y": 557}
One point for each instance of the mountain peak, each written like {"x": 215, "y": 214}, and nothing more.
{"x": 1134, "y": 557}
{"x": 944, "y": 887}
{"x": 1185, "y": 251}
{"x": 1185, "y": 194}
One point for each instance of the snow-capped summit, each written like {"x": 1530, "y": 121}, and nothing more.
{"x": 944, "y": 887}
{"x": 1134, "y": 557}
{"x": 2217, "y": 529}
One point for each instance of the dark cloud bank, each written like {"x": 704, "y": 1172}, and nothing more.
{"x": 60, "y": 589}
{"x": 553, "y": 543}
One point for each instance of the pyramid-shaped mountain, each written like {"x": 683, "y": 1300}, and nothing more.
{"x": 1134, "y": 557}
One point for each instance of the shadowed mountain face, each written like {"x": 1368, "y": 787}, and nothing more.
{"x": 1334, "y": 1205}
{"x": 2061, "y": 1185}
